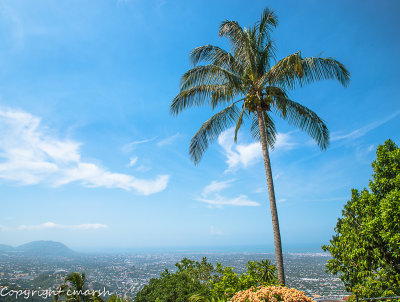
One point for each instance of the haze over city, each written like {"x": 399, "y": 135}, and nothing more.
{"x": 90, "y": 155}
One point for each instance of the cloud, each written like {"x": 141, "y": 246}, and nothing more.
{"x": 51, "y": 225}
{"x": 260, "y": 190}
{"x": 282, "y": 200}
{"x": 364, "y": 130}
{"x": 285, "y": 141}
{"x": 132, "y": 161}
{"x": 216, "y": 186}
{"x": 3, "y": 228}
{"x": 239, "y": 201}
{"x": 245, "y": 155}
{"x": 211, "y": 196}
{"x": 127, "y": 148}
{"x": 30, "y": 154}
{"x": 238, "y": 155}
{"x": 169, "y": 140}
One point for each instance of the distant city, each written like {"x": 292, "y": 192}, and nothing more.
{"x": 44, "y": 265}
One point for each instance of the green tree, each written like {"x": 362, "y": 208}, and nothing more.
{"x": 115, "y": 298}
{"x": 176, "y": 287}
{"x": 191, "y": 277}
{"x": 366, "y": 244}
{"x": 201, "y": 281}
{"x": 263, "y": 271}
{"x": 74, "y": 289}
{"x": 246, "y": 75}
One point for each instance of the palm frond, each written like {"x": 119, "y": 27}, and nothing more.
{"x": 251, "y": 50}
{"x": 202, "y": 94}
{"x": 275, "y": 91}
{"x": 267, "y": 23}
{"x": 295, "y": 70}
{"x": 235, "y": 33}
{"x": 239, "y": 122}
{"x": 215, "y": 56}
{"x": 265, "y": 56}
{"x": 304, "y": 119}
{"x": 270, "y": 129}
{"x": 210, "y": 130}
{"x": 232, "y": 30}
{"x": 209, "y": 74}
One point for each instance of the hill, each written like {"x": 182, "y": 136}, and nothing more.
{"x": 6, "y": 248}
{"x": 39, "y": 248}
{"x": 45, "y": 248}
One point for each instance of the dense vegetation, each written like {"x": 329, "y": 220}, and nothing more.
{"x": 202, "y": 281}
{"x": 366, "y": 246}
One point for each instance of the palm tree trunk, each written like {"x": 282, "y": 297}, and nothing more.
{"x": 271, "y": 194}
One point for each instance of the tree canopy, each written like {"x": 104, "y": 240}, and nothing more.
{"x": 202, "y": 281}
{"x": 366, "y": 244}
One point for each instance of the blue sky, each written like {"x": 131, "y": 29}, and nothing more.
{"x": 91, "y": 157}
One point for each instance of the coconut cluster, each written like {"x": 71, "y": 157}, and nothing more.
{"x": 253, "y": 100}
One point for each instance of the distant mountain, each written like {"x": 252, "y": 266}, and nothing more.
{"x": 39, "y": 248}
{"x": 6, "y": 248}
{"x": 45, "y": 248}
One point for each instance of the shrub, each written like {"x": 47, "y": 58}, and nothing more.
{"x": 271, "y": 294}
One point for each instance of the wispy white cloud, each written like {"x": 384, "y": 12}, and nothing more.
{"x": 240, "y": 201}
{"x": 285, "y": 141}
{"x": 260, "y": 190}
{"x": 169, "y": 140}
{"x": 143, "y": 168}
{"x": 132, "y": 161}
{"x": 3, "y": 228}
{"x": 363, "y": 130}
{"x": 30, "y": 154}
{"x": 52, "y": 225}
{"x": 217, "y": 186}
{"x": 127, "y": 148}
{"x": 211, "y": 196}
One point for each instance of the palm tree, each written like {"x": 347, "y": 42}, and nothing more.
{"x": 266, "y": 271}
{"x": 246, "y": 75}
{"x": 74, "y": 289}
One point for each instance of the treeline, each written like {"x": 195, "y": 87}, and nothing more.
{"x": 202, "y": 281}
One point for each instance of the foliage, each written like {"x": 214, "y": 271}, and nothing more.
{"x": 176, "y": 287}
{"x": 366, "y": 246}
{"x": 272, "y": 294}
{"x": 202, "y": 281}
{"x": 74, "y": 289}
{"x": 115, "y": 298}
{"x": 246, "y": 75}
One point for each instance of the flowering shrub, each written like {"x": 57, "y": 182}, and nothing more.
{"x": 271, "y": 294}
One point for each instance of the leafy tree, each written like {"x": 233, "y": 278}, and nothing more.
{"x": 191, "y": 277}
{"x": 201, "y": 281}
{"x": 366, "y": 246}
{"x": 246, "y": 75}
{"x": 264, "y": 272}
{"x": 176, "y": 287}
